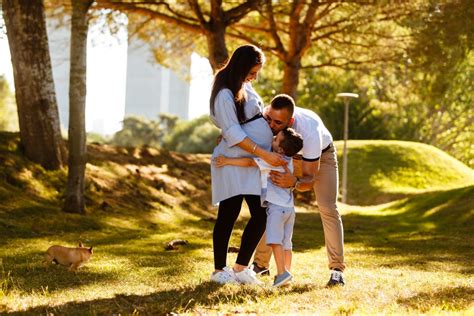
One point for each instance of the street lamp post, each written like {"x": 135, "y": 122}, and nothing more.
{"x": 346, "y": 96}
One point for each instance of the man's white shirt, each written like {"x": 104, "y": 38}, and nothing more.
{"x": 316, "y": 136}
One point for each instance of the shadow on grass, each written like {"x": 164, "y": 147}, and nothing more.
{"x": 308, "y": 232}
{"x": 201, "y": 298}
{"x": 24, "y": 223}
{"x": 447, "y": 299}
{"x": 435, "y": 226}
{"x": 139, "y": 196}
{"x": 28, "y": 273}
{"x": 383, "y": 160}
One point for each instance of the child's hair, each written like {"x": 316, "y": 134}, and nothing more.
{"x": 291, "y": 143}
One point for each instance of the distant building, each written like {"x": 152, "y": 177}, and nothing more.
{"x": 148, "y": 88}
{"x": 151, "y": 88}
{"x": 59, "y": 38}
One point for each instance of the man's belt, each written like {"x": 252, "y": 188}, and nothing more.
{"x": 327, "y": 148}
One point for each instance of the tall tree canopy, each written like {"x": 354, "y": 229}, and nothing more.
{"x": 210, "y": 19}
{"x": 315, "y": 34}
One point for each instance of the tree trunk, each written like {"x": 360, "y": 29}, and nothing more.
{"x": 38, "y": 114}
{"x": 74, "y": 202}
{"x": 216, "y": 46}
{"x": 291, "y": 77}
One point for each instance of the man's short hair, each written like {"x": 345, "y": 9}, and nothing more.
{"x": 283, "y": 101}
{"x": 291, "y": 143}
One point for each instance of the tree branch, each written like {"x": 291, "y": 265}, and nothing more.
{"x": 131, "y": 7}
{"x": 349, "y": 43}
{"x": 273, "y": 30}
{"x": 252, "y": 28}
{"x": 234, "y": 33}
{"x": 197, "y": 11}
{"x": 158, "y": 4}
{"x": 216, "y": 9}
{"x": 139, "y": 28}
{"x": 346, "y": 65}
{"x": 237, "y": 13}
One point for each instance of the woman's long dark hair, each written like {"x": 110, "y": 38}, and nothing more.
{"x": 233, "y": 74}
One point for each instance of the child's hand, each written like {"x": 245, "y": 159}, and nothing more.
{"x": 220, "y": 161}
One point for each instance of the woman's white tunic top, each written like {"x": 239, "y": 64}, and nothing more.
{"x": 229, "y": 181}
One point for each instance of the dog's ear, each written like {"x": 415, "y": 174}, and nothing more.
{"x": 90, "y": 250}
{"x": 80, "y": 244}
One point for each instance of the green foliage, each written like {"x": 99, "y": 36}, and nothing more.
{"x": 196, "y": 136}
{"x": 442, "y": 76}
{"x": 137, "y": 131}
{"x": 96, "y": 138}
{"x": 366, "y": 121}
{"x": 8, "y": 113}
{"x": 168, "y": 121}
{"x": 318, "y": 93}
{"x": 424, "y": 92}
{"x": 396, "y": 102}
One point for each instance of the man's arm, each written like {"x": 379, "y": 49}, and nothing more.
{"x": 222, "y": 161}
{"x": 288, "y": 180}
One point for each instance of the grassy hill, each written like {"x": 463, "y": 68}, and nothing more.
{"x": 411, "y": 256}
{"x": 382, "y": 171}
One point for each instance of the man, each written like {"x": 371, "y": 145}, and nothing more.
{"x": 320, "y": 173}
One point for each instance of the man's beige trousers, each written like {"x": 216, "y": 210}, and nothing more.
{"x": 325, "y": 189}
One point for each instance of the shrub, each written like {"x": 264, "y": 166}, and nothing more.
{"x": 195, "y": 136}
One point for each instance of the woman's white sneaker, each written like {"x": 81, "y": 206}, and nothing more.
{"x": 225, "y": 276}
{"x": 247, "y": 276}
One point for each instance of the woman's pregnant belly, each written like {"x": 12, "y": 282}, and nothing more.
{"x": 258, "y": 131}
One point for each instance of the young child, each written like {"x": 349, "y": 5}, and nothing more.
{"x": 279, "y": 201}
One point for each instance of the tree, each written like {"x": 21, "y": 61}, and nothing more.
{"x": 77, "y": 138}
{"x": 314, "y": 34}
{"x": 34, "y": 86}
{"x": 442, "y": 75}
{"x": 209, "y": 19}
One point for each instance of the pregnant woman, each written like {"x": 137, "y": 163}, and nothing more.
{"x": 237, "y": 110}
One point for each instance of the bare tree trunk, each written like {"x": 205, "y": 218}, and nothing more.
{"x": 291, "y": 77}
{"x": 217, "y": 47}
{"x": 74, "y": 202}
{"x": 34, "y": 86}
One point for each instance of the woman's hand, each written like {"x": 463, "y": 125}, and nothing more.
{"x": 220, "y": 161}
{"x": 274, "y": 159}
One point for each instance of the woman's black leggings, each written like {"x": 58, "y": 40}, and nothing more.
{"x": 229, "y": 210}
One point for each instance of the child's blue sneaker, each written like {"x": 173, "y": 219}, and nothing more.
{"x": 282, "y": 279}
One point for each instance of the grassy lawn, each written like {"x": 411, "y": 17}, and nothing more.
{"x": 381, "y": 171}
{"x": 409, "y": 256}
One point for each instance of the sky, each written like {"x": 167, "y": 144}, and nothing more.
{"x": 106, "y": 79}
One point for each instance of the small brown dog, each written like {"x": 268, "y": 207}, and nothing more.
{"x": 73, "y": 258}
